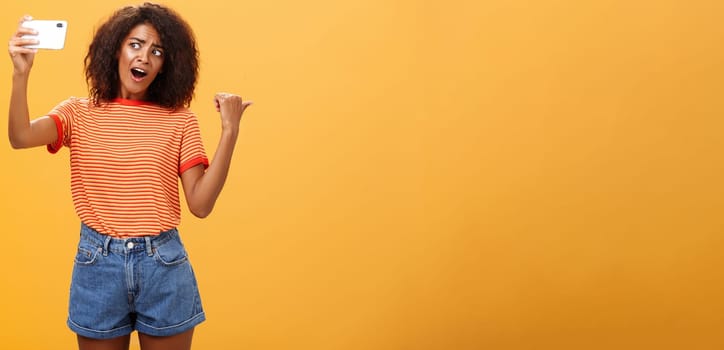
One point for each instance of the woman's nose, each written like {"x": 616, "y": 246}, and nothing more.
{"x": 142, "y": 56}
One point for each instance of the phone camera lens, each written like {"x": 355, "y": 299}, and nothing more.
{"x": 59, "y": 25}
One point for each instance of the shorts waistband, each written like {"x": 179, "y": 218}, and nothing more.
{"x": 126, "y": 245}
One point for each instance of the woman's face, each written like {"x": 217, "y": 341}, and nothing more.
{"x": 140, "y": 59}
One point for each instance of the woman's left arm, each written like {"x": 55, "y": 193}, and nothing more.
{"x": 202, "y": 188}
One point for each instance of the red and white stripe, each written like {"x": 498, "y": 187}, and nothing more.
{"x": 125, "y": 159}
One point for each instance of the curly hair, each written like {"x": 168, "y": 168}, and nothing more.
{"x": 174, "y": 88}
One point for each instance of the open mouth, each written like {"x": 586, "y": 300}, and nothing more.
{"x": 138, "y": 73}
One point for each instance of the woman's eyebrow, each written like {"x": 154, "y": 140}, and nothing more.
{"x": 144, "y": 41}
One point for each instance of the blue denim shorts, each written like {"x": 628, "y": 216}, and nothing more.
{"x": 141, "y": 283}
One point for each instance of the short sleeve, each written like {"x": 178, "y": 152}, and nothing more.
{"x": 63, "y": 115}
{"x": 192, "y": 148}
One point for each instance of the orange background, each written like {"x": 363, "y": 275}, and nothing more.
{"x": 422, "y": 175}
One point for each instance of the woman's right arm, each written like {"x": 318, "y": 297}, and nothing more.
{"x": 22, "y": 132}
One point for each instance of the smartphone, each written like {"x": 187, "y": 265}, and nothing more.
{"x": 51, "y": 33}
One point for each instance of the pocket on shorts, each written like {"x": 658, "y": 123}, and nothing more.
{"x": 87, "y": 254}
{"x": 170, "y": 253}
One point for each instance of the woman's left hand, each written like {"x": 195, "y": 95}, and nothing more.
{"x": 231, "y": 108}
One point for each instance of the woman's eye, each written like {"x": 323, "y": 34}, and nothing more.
{"x": 157, "y": 52}
{"x": 135, "y": 45}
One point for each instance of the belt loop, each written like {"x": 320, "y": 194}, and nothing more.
{"x": 106, "y": 245}
{"x": 149, "y": 249}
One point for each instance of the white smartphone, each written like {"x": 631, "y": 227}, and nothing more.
{"x": 51, "y": 33}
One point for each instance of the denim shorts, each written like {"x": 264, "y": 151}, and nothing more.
{"x": 141, "y": 283}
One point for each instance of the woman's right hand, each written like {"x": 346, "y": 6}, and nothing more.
{"x": 22, "y": 56}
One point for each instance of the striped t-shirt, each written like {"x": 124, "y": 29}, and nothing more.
{"x": 125, "y": 160}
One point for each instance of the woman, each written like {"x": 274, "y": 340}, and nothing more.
{"x": 130, "y": 141}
